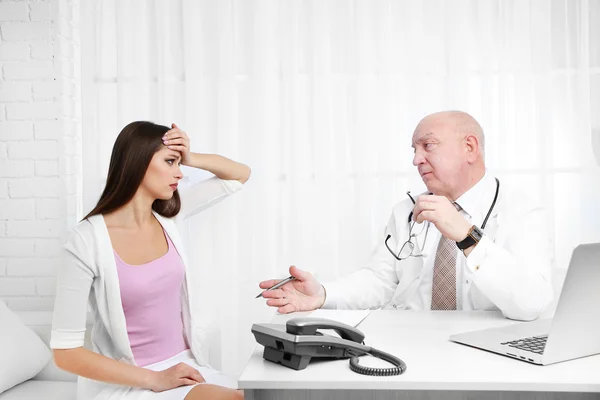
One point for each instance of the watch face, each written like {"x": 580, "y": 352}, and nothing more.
{"x": 477, "y": 234}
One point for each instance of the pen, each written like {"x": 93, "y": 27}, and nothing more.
{"x": 277, "y": 285}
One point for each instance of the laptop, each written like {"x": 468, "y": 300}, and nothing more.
{"x": 572, "y": 333}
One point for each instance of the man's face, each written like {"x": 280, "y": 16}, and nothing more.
{"x": 439, "y": 154}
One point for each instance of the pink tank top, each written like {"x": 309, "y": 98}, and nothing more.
{"x": 151, "y": 298}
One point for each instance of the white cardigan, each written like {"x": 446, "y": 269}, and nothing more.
{"x": 89, "y": 265}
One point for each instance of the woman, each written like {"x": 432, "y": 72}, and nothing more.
{"x": 148, "y": 334}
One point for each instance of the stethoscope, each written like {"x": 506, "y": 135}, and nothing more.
{"x": 489, "y": 211}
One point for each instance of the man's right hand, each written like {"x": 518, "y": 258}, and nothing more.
{"x": 304, "y": 293}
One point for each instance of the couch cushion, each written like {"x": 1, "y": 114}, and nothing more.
{"x": 24, "y": 354}
{"x": 34, "y": 390}
{"x": 41, "y": 323}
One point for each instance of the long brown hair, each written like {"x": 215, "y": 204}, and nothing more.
{"x": 133, "y": 150}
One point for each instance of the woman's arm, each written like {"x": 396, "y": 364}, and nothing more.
{"x": 81, "y": 361}
{"x": 75, "y": 277}
{"x": 222, "y": 167}
{"x": 74, "y": 281}
{"x": 86, "y": 363}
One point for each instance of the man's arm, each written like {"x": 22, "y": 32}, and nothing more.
{"x": 374, "y": 285}
{"x": 514, "y": 271}
{"x": 370, "y": 287}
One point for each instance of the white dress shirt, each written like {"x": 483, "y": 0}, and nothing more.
{"x": 508, "y": 270}
{"x": 478, "y": 200}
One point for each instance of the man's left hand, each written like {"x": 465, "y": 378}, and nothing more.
{"x": 441, "y": 212}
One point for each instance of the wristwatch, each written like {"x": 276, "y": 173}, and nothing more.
{"x": 473, "y": 237}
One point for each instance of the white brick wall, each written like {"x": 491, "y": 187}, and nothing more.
{"x": 40, "y": 145}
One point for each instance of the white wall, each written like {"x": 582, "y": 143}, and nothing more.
{"x": 40, "y": 132}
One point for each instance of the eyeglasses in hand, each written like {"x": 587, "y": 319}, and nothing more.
{"x": 408, "y": 248}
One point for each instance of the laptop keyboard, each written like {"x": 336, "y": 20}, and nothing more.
{"x": 535, "y": 344}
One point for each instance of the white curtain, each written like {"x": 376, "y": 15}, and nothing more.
{"x": 321, "y": 98}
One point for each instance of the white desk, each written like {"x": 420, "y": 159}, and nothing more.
{"x": 437, "y": 367}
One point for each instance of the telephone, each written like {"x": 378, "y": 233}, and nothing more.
{"x": 294, "y": 345}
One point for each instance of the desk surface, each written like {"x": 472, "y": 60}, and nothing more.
{"x": 434, "y": 362}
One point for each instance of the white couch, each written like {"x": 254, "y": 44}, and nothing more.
{"x": 51, "y": 383}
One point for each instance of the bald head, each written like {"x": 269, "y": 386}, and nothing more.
{"x": 464, "y": 125}
{"x": 449, "y": 152}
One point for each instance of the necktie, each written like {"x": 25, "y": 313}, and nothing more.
{"x": 443, "y": 289}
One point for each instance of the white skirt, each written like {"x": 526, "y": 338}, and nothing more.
{"x": 210, "y": 375}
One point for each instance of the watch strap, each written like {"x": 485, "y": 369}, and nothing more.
{"x": 473, "y": 237}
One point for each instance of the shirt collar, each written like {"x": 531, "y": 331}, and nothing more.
{"x": 477, "y": 200}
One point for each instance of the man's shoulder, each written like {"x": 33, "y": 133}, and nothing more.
{"x": 517, "y": 199}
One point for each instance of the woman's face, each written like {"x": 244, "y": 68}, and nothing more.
{"x": 163, "y": 174}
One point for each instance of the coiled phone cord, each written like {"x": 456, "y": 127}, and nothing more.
{"x": 399, "y": 368}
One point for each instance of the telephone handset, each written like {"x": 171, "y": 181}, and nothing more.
{"x": 294, "y": 346}
{"x": 309, "y": 326}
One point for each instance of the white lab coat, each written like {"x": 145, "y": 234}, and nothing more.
{"x": 509, "y": 270}
{"x": 88, "y": 270}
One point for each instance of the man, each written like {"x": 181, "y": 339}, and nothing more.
{"x": 465, "y": 245}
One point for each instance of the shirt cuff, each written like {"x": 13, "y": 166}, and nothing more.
{"x": 67, "y": 339}
{"x": 478, "y": 254}
{"x": 331, "y": 295}
{"x": 231, "y": 186}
